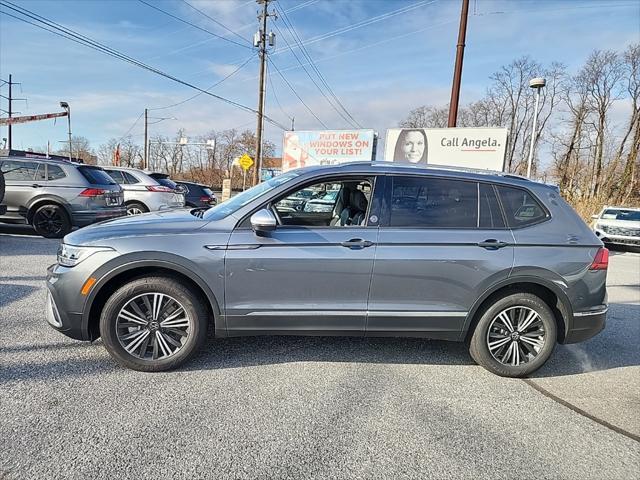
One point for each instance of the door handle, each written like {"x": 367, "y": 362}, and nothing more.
{"x": 356, "y": 243}
{"x": 492, "y": 244}
{"x": 35, "y": 185}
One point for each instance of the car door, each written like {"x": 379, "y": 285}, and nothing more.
{"x": 24, "y": 180}
{"x": 306, "y": 276}
{"x": 438, "y": 249}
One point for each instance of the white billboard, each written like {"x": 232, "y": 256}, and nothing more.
{"x": 325, "y": 147}
{"x": 481, "y": 148}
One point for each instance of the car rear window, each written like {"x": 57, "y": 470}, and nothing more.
{"x": 167, "y": 182}
{"x": 433, "y": 203}
{"x": 207, "y": 191}
{"x": 96, "y": 176}
{"x": 520, "y": 207}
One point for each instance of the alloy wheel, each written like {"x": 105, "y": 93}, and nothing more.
{"x": 49, "y": 220}
{"x": 516, "y": 336}
{"x": 153, "y": 326}
{"x": 134, "y": 211}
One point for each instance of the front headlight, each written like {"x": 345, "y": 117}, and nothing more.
{"x": 70, "y": 255}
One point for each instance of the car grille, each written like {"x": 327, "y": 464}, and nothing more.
{"x": 627, "y": 232}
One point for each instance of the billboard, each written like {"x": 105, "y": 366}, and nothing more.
{"x": 325, "y": 147}
{"x": 482, "y": 148}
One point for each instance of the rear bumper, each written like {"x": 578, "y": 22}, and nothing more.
{"x": 87, "y": 217}
{"x": 586, "y": 325}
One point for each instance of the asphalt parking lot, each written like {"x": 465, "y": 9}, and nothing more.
{"x": 320, "y": 407}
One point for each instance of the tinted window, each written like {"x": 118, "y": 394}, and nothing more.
{"x": 20, "y": 171}
{"x": 207, "y": 191}
{"x": 490, "y": 213}
{"x": 520, "y": 207}
{"x": 116, "y": 175}
{"x": 433, "y": 202}
{"x": 40, "y": 172}
{"x": 54, "y": 172}
{"x": 167, "y": 182}
{"x": 96, "y": 176}
{"x": 129, "y": 178}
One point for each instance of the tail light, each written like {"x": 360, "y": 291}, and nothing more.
{"x": 601, "y": 262}
{"x": 205, "y": 198}
{"x": 159, "y": 188}
{"x": 92, "y": 192}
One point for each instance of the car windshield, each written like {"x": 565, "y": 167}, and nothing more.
{"x": 230, "y": 206}
{"x": 616, "y": 214}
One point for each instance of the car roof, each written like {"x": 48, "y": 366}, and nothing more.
{"x": 47, "y": 160}
{"x": 383, "y": 167}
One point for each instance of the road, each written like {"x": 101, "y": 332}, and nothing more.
{"x": 321, "y": 407}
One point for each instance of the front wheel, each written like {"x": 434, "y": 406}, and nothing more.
{"x": 153, "y": 324}
{"x": 515, "y": 335}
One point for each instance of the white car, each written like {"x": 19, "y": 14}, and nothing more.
{"x": 143, "y": 193}
{"x": 618, "y": 226}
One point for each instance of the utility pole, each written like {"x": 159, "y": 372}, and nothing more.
{"x": 10, "y": 98}
{"x": 457, "y": 72}
{"x": 10, "y": 111}
{"x": 145, "y": 160}
{"x": 260, "y": 41}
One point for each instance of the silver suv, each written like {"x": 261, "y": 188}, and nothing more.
{"x": 142, "y": 193}
{"x": 618, "y": 226}
{"x": 500, "y": 262}
{"x": 54, "y": 196}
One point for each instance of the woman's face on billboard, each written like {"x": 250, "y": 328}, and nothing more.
{"x": 413, "y": 146}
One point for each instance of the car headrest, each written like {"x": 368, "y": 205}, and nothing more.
{"x": 358, "y": 201}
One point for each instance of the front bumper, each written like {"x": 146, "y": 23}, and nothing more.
{"x": 65, "y": 322}
{"x": 617, "y": 239}
{"x": 586, "y": 325}
{"x": 87, "y": 217}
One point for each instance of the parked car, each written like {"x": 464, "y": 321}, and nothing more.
{"x": 322, "y": 202}
{"x": 299, "y": 200}
{"x": 54, "y": 196}
{"x": 197, "y": 195}
{"x": 3, "y": 208}
{"x": 498, "y": 261}
{"x": 618, "y": 226}
{"x": 142, "y": 193}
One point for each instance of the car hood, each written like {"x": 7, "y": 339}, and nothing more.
{"x": 618, "y": 223}
{"x": 155, "y": 223}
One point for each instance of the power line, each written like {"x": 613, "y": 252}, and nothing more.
{"x": 131, "y": 127}
{"x": 296, "y": 94}
{"x": 211, "y": 87}
{"x": 215, "y": 21}
{"x": 275, "y": 96}
{"x": 70, "y": 34}
{"x": 297, "y": 38}
{"x": 194, "y": 25}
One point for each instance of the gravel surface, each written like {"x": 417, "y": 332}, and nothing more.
{"x": 318, "y": 407}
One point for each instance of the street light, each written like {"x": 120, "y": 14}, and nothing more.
{"x": 537, "y": 83}
{"x": 67, "y": 108}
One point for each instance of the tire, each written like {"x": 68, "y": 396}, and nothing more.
{"x": 51, "y": 221}
{"x": 136, "y": 208}
{"x": 119, "y": 326}
{"x": 502, "y": 359}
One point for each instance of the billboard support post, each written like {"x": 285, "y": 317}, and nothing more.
{"x": 457, "y": 72}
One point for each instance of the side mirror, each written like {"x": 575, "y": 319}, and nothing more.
{"x": 263, "y": 221}
{"x": 595, "y": 217}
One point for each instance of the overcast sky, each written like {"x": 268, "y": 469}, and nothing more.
{"x": 381, "y": 57}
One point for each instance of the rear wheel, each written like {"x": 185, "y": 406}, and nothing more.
{"x": 51, "y": 221}
{"x": 515, "y": 335}
{"x": 153, "y": 324}
{"x": 136, "y": 208}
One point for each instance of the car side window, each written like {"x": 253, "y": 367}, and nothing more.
{"x": 334, "y": 203}
{"x": 41, "y": 172}
{"x": 130, "y": 179}
{"x": 520, "y": 207}
{"x": 19, "y": 171}
{"x": 54, "y": 172}
{"x": 490, "y": 213}
{"x": 116, "y": 175}
{"x": 427, "y": 202}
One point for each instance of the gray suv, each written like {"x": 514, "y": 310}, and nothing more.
{"x": 54, "y": 196}
{"x": 500, "y": 262}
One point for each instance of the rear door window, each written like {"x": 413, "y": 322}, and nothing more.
{"x": 19, "y": 171}
{"x": 520, "y": 207}
{"x": 54, "y": 172}
{"x": 96, "y": 176}
{"x": 433, "y": 203}
{"x": 130, "y": 179}
{"x": 41, "y": 172}
{"x": 116, "y": 175}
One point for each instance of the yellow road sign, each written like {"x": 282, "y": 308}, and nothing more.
{"x": 245, "y": 162}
